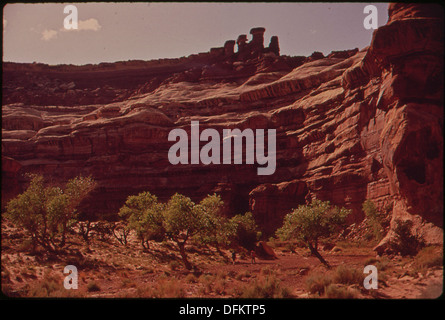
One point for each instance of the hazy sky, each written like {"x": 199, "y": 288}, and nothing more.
{"x": 125, "y": 31}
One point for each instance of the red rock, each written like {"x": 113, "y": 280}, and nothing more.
{"x": 350, "y": 126}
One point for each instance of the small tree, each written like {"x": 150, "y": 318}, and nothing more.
{"x": 84, "y": 230}
{"x": 76, "y": 190}
{"x": 28, "y": 211}
{"x": 405, "y": 242}
{"x": 144, "y": 215}
{"x": 311, "y": 222}
{"x": 245, "y": 231}
{"x": 47, "y": 212}
{"x": 121, "y": 231}
{"x": 375, "y": 220}
{"x": 182, "y": 220}
{"x": 216, "y": 229}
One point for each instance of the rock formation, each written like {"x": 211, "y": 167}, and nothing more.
{"x": 352, "y": 125}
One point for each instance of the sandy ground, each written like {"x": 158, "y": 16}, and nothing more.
{"x": 108, "y": 269}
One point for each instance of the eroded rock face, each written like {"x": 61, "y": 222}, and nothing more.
{"x": 350, "y": 126}
{"x": 409, "y": 50}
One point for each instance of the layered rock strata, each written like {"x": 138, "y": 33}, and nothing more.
{"x": 351, "y": 126}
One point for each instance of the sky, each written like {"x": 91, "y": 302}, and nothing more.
{"x": 109, "y": 32}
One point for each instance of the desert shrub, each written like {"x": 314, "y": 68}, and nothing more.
{"x": 243, "y": 274}
{"x": 334, "y": 291}
{"x": 103, "y": 229}
{"x": 93, "y": 287}
{"x": 381, "y": 263}
{"x": 174, "y": 265}
{"x": 267, "y": 271}
{"x": 121, "y": 231}
{"x": 191, "y": 278}
{"x": 317, "y": 282}
{"x": 376, "y": 220}
{"x": 128, "y": 283}
{"x": 172, "y": 288}
{"x": 163, "y": 288}
{"x": 291, "y": 247}
{"x": 49, "y": 286}
{"x": 405, "y": 242}
{"x": 84, "y": 229}
{"x": 428, "y": 257}
{"x": 206, "y": 281}
{"x": 347, "y": 275}
{"x": 219, "y": 286}
{"x": 372, "y": 261}
{"x": 265, "y": 287}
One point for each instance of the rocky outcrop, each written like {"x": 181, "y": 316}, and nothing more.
{"x": 409, "y": 51}
{"x": 350, "y": 126}
{"x": 270, "y": 202}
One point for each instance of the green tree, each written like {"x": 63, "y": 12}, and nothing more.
{"x": 68, "y": 200}
{"x": 375, "y": 219}
{"x": 28, "y": 211}
{"x": 245, "y": 230}
{"x": 312, "y": 222}
{"x": 47, "y": 212}
{"x": 144, "y": 215}
{"x": 182, "y": 221}
{"x": 216, "y": 229}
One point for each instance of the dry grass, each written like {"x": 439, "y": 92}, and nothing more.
{"x": 163, "y": 288}
{"x": 427, "y": 258}
{"x": 111, "y": 270}
{"x": 348, "y": 275}
{"x": 265, "y": 286}
{"x": 335, "y": 291}
{"x": 318, "y": 281}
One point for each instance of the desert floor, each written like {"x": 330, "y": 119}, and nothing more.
{"x": 108, "y": 269}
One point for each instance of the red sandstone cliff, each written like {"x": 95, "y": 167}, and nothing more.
{"x": 350, "y": 126}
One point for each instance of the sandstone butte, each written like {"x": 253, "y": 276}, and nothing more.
{"x": 350, "y": 126}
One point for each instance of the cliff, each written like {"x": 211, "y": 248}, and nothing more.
{"x": 350, "y": 126}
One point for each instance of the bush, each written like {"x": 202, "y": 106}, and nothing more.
{"x": 265, "y": 287}
{"x": 174, "y": 265}
{"x": 93, "y": 287}
{"x": 317, "y": 282}
{"x": 404, "y": 241}
{"x": 428, "y": 257}
{"x": 375, "y": 220}
{"x": 47, "y": 213}
{"x": 49, "y": 286}
{"x": 334, "y": 291}
{"x": 345, "y": 275}
{"x": 168, "y": 289}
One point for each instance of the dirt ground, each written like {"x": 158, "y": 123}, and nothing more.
{"x": 109, "y": 269}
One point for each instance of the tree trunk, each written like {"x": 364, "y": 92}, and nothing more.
{"x": 63, "y": 240}
{"x": 181, "y": 246}
{"x": 315, "y": 252}
{"x": 145, "y": 244}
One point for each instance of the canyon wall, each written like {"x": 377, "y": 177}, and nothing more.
{"x": 351, "y": 126}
